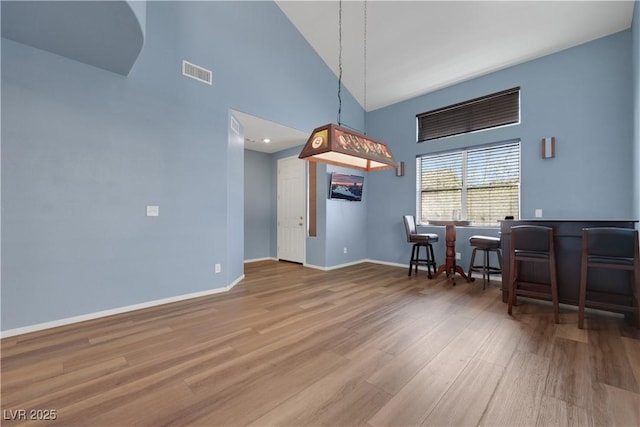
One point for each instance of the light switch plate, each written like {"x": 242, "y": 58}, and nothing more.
{"x": 153, "y": 210}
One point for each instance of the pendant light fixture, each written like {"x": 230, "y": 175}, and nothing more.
{"x": 337, "y": 145}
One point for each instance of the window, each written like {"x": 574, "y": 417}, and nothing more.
{"x": 498, "y": 109}
{"x": 482, "y": 183}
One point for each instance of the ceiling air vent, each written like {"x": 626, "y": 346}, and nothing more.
{"x": 195, "y": 72}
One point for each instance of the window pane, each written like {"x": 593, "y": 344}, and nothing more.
{"x": 493, "y": 166}
{"x": 493, "y": 183}
{"x": 440, "y": 185}
{"x": 439, "y": 204}
{"x": 489, "y": 204}
{"x": 441, "y": 172}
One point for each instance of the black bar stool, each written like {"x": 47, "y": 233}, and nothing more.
{"x": 486, "y": 244}
{"x": 420, "y": 240}
{"x": 532, "y": 243}
{"x": 610, "y": 248}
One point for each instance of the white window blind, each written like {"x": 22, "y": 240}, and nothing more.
{"x": 483, "y": 184}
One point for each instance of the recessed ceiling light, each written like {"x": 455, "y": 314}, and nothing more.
{"x": 266, "y": 140}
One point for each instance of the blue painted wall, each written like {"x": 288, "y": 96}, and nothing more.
{"x": 346, "y": 222}
{"x": 580, "y": 95}
{"x": 85, "y": 150}
{"x": 84, "y": 153}
{"x": 258, "y": 207}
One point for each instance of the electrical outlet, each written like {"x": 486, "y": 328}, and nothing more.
{"x": 458, "y": 255}
{"x": 538, "y": 213}
{"x": 345, "y": 250}
{"x": 218, "y": 268}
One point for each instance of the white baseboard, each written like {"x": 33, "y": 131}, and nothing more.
{"x": 373, "y": 261}
{"x": 335, "y": 267}
{"x": 111, "y": 312}
{"x": 391, "y": 264}
{"x": 316, "y": 267}
{"x": 247, "y": 261}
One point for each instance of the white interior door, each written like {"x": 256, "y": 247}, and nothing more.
{"x": 291, "y": 209}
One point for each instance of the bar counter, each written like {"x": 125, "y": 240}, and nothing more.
{"x": 568, "y": 248}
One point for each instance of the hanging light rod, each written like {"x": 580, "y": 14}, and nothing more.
{"x": 336, "y": 145}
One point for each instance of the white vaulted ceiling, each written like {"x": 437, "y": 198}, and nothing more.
{"x": 416, "y": 47}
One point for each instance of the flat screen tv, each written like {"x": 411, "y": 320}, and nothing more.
{"x": 346, "y": 187}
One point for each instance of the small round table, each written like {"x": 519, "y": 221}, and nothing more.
{"x": 450, "y": 267}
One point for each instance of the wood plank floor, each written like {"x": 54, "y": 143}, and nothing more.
{"x": 363, "y": 345}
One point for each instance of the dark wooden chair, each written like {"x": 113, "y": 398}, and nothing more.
{"x": 610, "y": 248}
{"x": 532, "y": 243}
{"x": 420, "y": 240}
{"x": 486, "y": 244}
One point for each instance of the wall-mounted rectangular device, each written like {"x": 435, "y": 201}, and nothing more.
{"x": 549, "y": 147}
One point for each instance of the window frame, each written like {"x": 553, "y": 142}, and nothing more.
{"x": 464, "y": 186}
